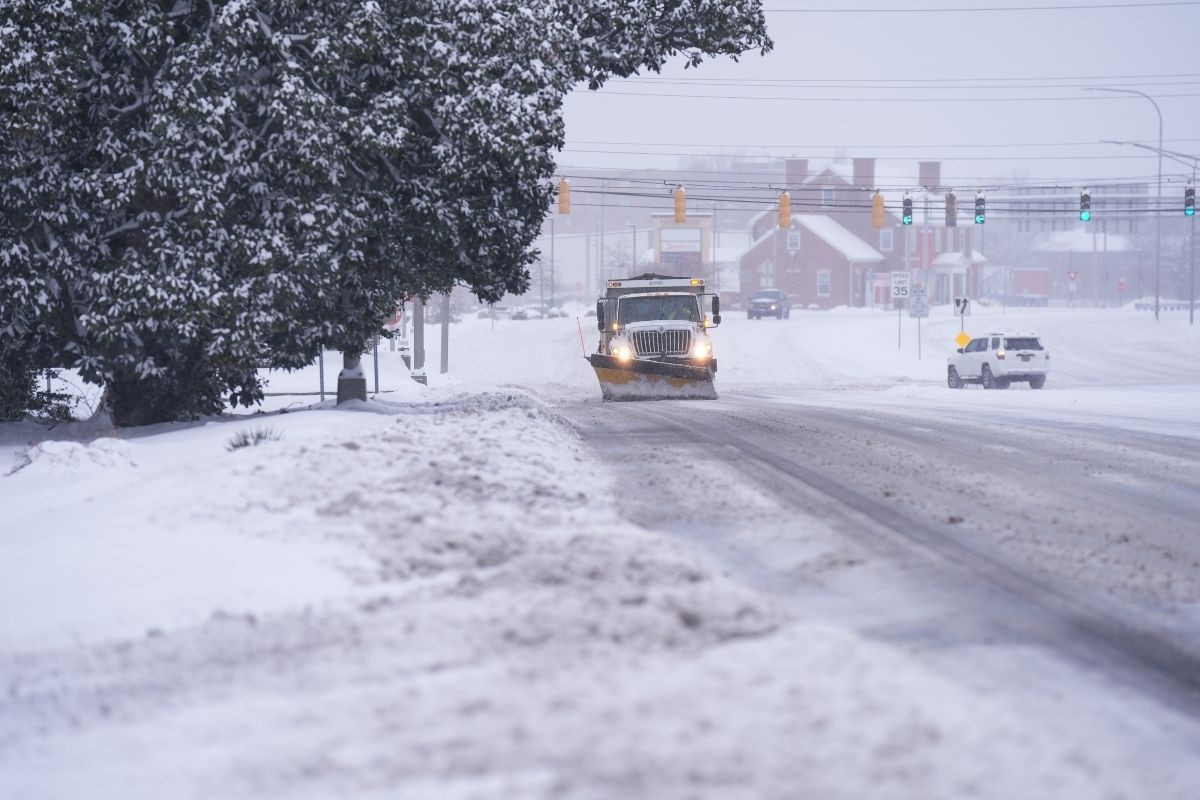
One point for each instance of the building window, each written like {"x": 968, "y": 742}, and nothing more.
{"x": 885, "y": 240}
{"x": 823, "y": 283}
{"x": 766, "y": 274}
{"x": 793, "y": 242}
{"x": 827, "y": 197}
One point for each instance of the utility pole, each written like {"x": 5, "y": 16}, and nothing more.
{"x": 445, "y": 333}
{"x": 603, "y": 202}
{"x": 551, "y": 262}
{"x": 633, "y": 258}
{"x": 1185, "y": 159}
{"x": 418, "y": 372}
{"x": 1159, "y": 209}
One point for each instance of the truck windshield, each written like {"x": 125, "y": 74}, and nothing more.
{"x": 650, "y": 309}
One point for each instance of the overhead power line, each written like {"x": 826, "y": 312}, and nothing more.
{"x": 727, "y": 83}
{"x": 980, "y": 9}
{"x": 878, "y": 158}
{"x": 795, "y": 99}
{"x": 676, "y": 176}
{"x": 801, "y": 146}
{"x": 975, "y": 79}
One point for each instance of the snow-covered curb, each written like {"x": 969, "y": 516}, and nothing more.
{"x": 440, "y": 600}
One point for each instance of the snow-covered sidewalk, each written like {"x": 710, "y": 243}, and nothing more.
{"x": 439, "y": 599}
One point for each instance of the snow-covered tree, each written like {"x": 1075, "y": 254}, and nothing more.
{"x": 188, "y": 186}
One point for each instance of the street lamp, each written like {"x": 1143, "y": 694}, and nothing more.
{"x": 603, "y": 203}
{"x": 1158, "y": 210}
{"x": 1182, "y": 158}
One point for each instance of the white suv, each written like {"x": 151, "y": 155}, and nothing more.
{"x": 998, "y": 359}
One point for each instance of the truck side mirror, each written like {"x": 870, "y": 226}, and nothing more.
{"x": 716, "y": 306}
{"x": 600, "y": 314}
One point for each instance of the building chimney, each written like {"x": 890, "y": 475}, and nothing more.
{"x": 864, "y": 173}
{"x": 797, "y": 171}
{"x": 930, "y": 174}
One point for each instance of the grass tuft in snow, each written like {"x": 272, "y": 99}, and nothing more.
{"x": 253, "y": 438}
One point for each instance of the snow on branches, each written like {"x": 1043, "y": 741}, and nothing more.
{"x": 189, "y": 187}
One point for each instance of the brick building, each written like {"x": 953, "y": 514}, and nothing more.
{"x": 832, "y": 255}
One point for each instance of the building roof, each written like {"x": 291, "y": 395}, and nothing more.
{"x": 839, "y": 238}
{"x": 1080, "y": 240}
{"x": 957, "y": 259}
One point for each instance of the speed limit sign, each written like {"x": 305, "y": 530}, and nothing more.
{"x": 900, "y": 284}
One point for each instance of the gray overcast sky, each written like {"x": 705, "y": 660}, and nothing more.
{"x": 929, "y": 48}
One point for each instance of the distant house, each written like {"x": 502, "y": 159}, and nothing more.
{"x": 817, "y": 261}
{"x": 831, "y": 254}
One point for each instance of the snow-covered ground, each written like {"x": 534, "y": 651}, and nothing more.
{"x": 1119, "y": 363}
{"x": 433, "y": 595}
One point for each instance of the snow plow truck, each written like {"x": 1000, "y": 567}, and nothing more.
{"x": 654, "y": 342}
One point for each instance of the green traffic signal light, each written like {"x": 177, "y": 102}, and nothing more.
{"x": 979, "y": 219}
{"x": 906, "y": 216}
{"x": 1085, "y": 215}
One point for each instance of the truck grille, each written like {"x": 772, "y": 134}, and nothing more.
{"x": 662, "y": 343}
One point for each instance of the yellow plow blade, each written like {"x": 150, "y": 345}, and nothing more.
{"x": 652, "y": 380}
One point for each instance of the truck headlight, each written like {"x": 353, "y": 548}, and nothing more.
{"x": 622, "y": 353}
{"x": 702, "y": 350}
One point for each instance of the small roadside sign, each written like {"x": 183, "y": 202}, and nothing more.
{"x": 918, "y": 303}
{"x": 963, "y": 339}
{"x": 1072, "y": 274}
{"x": 962, "y": 306}
{"x": 901, "y": 283}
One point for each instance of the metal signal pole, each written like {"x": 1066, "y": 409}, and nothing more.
{"x": 1185, "y": 159}
{"x": 1159, "y": 210}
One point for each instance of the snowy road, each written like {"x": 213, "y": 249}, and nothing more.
{"x": 1065, "y": 556}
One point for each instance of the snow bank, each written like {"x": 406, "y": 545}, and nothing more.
{"x": 437, "y": 599}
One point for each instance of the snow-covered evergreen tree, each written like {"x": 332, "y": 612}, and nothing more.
{"x": 189, "y": 185}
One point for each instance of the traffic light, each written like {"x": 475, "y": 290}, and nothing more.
{"x": 951, "y": 211}
{"x": 1189, "y": 200}
{"x": 877, "y": 210}
{"x": 785, "y": 210}
{"x": 564, "y": 196}
{"x": 1085, "y": 206}
{"x": 980, "y": 209}
{"x": 680, "y": 204}
{"x": 906, "y": 216}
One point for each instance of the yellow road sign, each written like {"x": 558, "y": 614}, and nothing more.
{"x": 963, "y": 339}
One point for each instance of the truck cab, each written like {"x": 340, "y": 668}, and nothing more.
{"x": 659, "y": 318}
{"x": 656, "y": 327}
